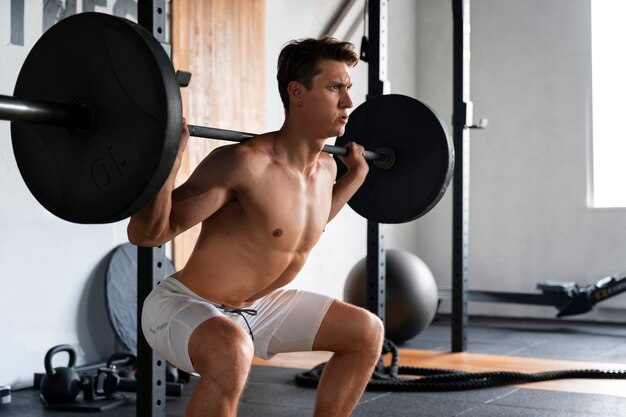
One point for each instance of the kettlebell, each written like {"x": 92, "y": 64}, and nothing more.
{"x": 62, "y": 384}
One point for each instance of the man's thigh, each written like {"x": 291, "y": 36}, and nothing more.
{"x": 288, "y": 321}
{"x": 344, "y": 325}
{"x": 170, "y": 315}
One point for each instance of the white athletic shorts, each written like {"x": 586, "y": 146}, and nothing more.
{"x": 285, "y": 320}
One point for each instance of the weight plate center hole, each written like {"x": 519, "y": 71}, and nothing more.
{"x": 390, "y": 158}
{"x": 91, "y": 117}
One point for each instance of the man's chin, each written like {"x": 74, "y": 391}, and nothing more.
{"x": 339, "y": 132}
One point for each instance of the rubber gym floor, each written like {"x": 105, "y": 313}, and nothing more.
{"x": 495, "y": 344}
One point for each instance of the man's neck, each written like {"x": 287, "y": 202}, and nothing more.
{"x": 299, "y": 148}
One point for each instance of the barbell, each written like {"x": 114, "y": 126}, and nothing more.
{"x": 97, "y": 114}
{"x": 82, "y": 117}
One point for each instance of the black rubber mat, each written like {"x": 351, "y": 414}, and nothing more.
{"x": 548, "y": 339}
{"x": 272, "y": 391}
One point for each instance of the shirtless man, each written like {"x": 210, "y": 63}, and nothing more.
{"x": 263, "y": 205}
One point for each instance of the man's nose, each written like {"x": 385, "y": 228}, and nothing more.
{"x": 346, "y": 100}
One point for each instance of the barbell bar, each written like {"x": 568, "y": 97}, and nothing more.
{"x": 81, "y": 117}
{"x": 97, "y": 114}
{"x": 382, "y": 157}
{"x": 44, "y": 112}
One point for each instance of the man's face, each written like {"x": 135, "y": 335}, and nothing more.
{"x": 327, "y": 102}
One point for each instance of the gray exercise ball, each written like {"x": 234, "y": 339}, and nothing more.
{"x": 410, "y": 294}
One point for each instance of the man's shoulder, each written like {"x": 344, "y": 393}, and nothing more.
{"x": 327, "y": 161}
{"x": 250, "y": 149}
{"x": 256, "y": 149}
{"x": 248, "y": 157}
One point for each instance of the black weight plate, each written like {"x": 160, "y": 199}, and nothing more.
{"x": 424, "y": 158}
{"x": 121, "y": 294}
{"x": 111, "y": 170}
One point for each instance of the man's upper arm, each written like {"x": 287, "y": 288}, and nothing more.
{"x": 211, "y": 186}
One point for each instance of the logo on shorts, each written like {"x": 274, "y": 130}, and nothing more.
{"x": 158, "y": 328}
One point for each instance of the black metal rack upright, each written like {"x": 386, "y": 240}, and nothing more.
{"x": 461, "y": 120}
{"x": 151, "y": 381}
{"x": 376, "y": 55}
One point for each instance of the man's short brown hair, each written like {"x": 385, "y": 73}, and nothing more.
{"x": 299, "y": 61}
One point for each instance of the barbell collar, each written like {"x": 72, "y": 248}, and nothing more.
{"x": 44, "y": 112}
{"x": 234, "y": 136}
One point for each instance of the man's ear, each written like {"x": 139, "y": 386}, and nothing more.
{"x": 295, "y": 90}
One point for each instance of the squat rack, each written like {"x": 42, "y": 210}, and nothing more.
{"x": 151, "y": 261}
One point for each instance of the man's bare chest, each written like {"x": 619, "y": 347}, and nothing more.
{"x": 290, "y": 211}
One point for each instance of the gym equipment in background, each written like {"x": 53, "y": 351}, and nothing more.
{"x": 411, "y": 298}
{"x": 91, "y": 388}
{"x": 388, "y": 378}
{"x": 567, "y": 297}
{"x": 61, "y": 384}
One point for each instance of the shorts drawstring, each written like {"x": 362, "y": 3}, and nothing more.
{"x": 241, "y": 312}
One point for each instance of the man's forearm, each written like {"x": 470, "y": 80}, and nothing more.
{"x": 345, "y": 188}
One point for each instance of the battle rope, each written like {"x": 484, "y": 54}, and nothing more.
{"x": 387, "y": 378}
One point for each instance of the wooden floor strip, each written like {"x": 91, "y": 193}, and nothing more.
{"x": 476, "y": 362}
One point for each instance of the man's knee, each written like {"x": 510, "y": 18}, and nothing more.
{"x": 348, "y": 329}
{"x": 220, "y": 349}
{"x": 372, "y": 333}
{"x": 367, "y": 333}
